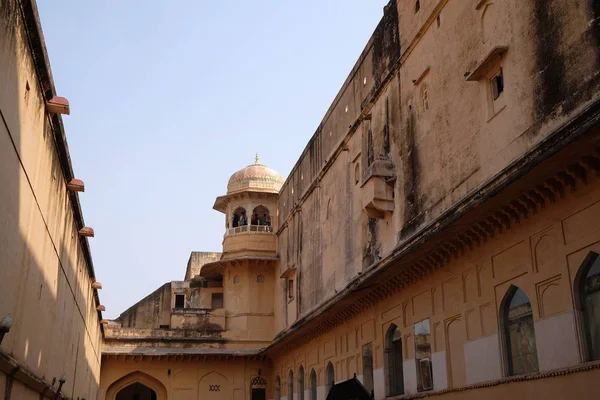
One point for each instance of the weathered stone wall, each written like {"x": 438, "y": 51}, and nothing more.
{"x": 46, "y": 270}
{"x": 197, "y": 260}
{"x": 408, "y": 97}
{"x": 189, "y": 379}
{"x": 151, "y": 312}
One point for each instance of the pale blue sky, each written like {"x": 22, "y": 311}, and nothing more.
{"x": 168, "y": 99}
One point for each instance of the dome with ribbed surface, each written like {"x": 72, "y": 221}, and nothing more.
{"x": 255, "y": 177}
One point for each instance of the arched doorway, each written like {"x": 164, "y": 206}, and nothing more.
{"x": 258, "y": 387}
{"x": 136, "y": 391}
{"x": 136, "y": 386}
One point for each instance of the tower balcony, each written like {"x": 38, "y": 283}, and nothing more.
{"x": 249, "y": 240}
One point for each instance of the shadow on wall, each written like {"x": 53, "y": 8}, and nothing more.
{"x": 45, "y": 284}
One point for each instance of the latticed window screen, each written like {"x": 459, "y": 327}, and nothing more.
{"x": 258, "y": 382}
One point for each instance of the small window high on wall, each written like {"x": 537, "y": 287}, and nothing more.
{"x": 423, "y": 355}
{"x": 519, "y": 333}
{"x": 588, "y": 303}
{"x": 290, "y": 287}
{"x": 217, "y": 301}
{"x": 179, "y": 301}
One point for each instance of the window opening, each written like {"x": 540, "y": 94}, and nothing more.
{"x": 356, "y": 173}
{"x": 417, "y": 6}
{"x": 313, "y": 385}
{"x": 260, "y": 279}
{"x": 589, "y": 303}
{"x": 290, "y": 394}
{"x": 217, "y": 301}
{"x": 367, "y": 360}
{"x": 301, "y": 383}
{"x": 393, "y": 361}
{"x": 290, "y": 288}
{"x": 329, "y": 378}
{"x": 179, "y": 301}
{"x": 519, "y": 333}
{"x": 277, "y": 388}
{"x": 423, "y": 355}
{"x": 239, "y": 217}
{"x": 497, "y": 85}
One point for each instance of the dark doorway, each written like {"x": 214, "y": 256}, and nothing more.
{"x": 137, "y": 391}
{"x": 259, "y": 394}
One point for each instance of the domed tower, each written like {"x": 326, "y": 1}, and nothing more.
{"x": 248, "y": 268}
{"x": 250, "y": 211}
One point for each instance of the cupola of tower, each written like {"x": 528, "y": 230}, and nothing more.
{"x": 255, "y": 177}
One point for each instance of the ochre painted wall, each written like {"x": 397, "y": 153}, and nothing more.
{"x": 184, "y": 380}
{"x": 541, "y": 255}
{"x": 45, "y": 284}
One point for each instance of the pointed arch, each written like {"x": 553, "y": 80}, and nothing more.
{"x": 301, "y": 383}
{"x": 277, "y": 388}
{"x": 313, "y": 385}
{"x": 393, "y": 361}
{"x": 587, "y": 303}
{"x": 519, "y": 333}
{"x": 329, "y": 377}
{"x": 133, "y": 378}
{"x": 290, "y": 392}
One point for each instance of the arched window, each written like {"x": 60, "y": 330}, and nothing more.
{"x": 367, "y": 360}
{"x": 260, "y": 279}
{"x": 313, "y": 385}
{"x": 588, "y": 303}
{"x": 239, "y": 217}
{"x": 519, "y": 333}
{"x": 277, "y": 393}
{"x": 301, "y": 383}
{"x": 290, "y": 394}
{"x": 393, "y": 361}
{"x": 329, "y": 377}
{"x": 261, "y": 216}
{"x": 236, "y": 279}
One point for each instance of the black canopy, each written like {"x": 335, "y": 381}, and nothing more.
{"x": 351, "y": 389}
